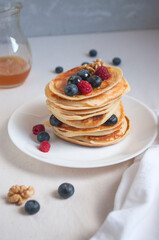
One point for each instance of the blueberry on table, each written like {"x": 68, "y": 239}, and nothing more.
{"x": 93, "y": 53}
{"x": 116, "y": 61}
{"x": 112, "y": 120}
{"x": 84, "y": 63}
{"x": 84, "y": 74}
{"x": 54, "y": 121}
{"x": 74, "y": 79}
{"x": 43, "y": 136}
{"x": 95, "y": 81}
{"x": 32, "y": 207}
{"x": 59, "y": 69}
{"x": 66, "y": 190}
{"x": 71, "y": 89}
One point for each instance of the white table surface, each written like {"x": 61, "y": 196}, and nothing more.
{"x": 79, "y": 217}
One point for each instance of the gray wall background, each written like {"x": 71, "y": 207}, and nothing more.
{"x": 59, "y": 17}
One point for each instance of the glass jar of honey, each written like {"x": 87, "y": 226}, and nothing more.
{"x": 15, "y": 53}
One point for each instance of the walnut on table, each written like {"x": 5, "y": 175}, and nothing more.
{"x": 18, "y": 194}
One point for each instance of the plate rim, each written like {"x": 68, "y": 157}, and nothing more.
{"x": 80, "y": 165}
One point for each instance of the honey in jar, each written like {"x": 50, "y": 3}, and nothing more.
{"x": 15, "y": 53}
{"x": 13, "y": 71}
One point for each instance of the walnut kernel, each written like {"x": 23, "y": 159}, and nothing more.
{"x": 92, "y": 67}
{"x": 18, "y": 194}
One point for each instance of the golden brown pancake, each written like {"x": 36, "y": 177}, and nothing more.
{"x": 89, "y": 122}
{"x": 103, "y": 99}
{"x": 70, "y": 116}
{"x": 84, "y": 117}
{"x": 79, "y": 111}
{"x": 92, "y": 121}
{"x": 58, "y": 84}
{"x": 99, "y": 141}
{"x": 70, "y": 131}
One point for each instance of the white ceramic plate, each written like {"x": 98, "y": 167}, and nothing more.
{"x": 142, "y": 134}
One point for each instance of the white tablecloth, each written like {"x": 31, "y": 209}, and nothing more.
{"x": 80, "y": 216}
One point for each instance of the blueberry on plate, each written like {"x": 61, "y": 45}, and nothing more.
{"x": 74, "y": 79}
{"x": 112, "y": 120}
{"x": 43, "y": 136}
{"x": 95, "y": 81}
{"x": 32, "y": 207}
{"x": 93, "y": 53}
{"x": 116, "y": 61}
{"x": 71, "y": 89}
{"x": 59, "y": 69}
{"x": 84, "y": 74}
{"x": 66, "y": 190}
{"x": 54, "y": 121}
{"x": 84, "y": 63}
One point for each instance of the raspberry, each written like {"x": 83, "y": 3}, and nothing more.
{"x": 84, "y": 87}
{"x": 44, "y": 146}
{"x": 38, "y": 128}
{"x": 103, "y": 73}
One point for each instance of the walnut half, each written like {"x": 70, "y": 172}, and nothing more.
{"x": 92, "y": 67}
{"x": 18, "y": 194}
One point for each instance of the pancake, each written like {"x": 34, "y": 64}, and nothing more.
{"x": 79, "y": 111}
{"x": 69, "y": 116}
{"x": 70, "y": 131}
{"x": 83, "y": 118}
{"x": 103, "y": 99}
{"x": 99, "y": 141}
{"x": 58, "y": 84}
{"x": 89, "y": 122}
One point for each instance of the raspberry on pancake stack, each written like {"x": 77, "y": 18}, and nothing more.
{"x": 85, "y": 105}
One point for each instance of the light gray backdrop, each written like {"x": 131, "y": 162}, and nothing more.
{"x": 56, "y": 17}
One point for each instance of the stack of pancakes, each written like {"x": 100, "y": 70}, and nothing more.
{"x": 84, "y": 117}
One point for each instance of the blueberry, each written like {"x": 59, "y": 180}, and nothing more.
{"x": 32, "y": 207}
{"x": 54, "y": 121}
{"x": 85, "y": 63}
{"x": 74, "y": 79}
{"x": 71, "y": 89}
{"x": 59, "y": 69}
{"x": 112, "y": 120}
{"x": 116, "y": 61}
{"x": 42, "y": 136}
{"x": 66, "y": 190}
{"x": 95, "y": 81}
{"x": 92, "y": 53}
{"x": 84, "y": 74}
